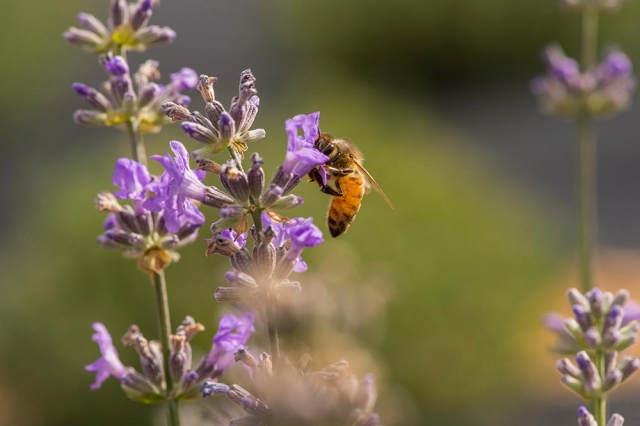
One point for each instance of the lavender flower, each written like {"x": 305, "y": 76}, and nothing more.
{"x": 126, "y": 29}
{"x": 599, "y": 322}
{"x": 138, "y": 98}
{"x": 221, "y": 129}
{"x": 601, "y": 91}
{"x": 267, "y": 268}
{"x": 109, "y": 364}
{"x": 233, "y": 334}
{"x": 293, "y": 396}
{"x": 148, "y": 231}
{"x": 301, "y": 155}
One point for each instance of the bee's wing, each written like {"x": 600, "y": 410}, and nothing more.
{"x": 373, "y": 182}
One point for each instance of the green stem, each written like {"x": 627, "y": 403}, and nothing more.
{"x": 587, "y": 186}
{"x": 586, "y": 198}
{"x": 587, "y": 156}
{"x": 270, "y": 306}
{"x": 138, "y": 152}
{"x": 164, "y": 326}
{"x": 256, "y": 211}
{"x": 600, "y": 404}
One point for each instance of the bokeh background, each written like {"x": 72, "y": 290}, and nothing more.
{"x": 443, "y": 295}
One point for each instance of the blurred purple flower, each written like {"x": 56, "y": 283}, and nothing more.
{"x": 233, "y": 333}
{"x": 109, "y": 363}
{"x": 281, "y": 238}
{"x": 185, "y": 79}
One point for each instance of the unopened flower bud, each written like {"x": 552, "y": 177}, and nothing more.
{"x": 92, "y": 97}
{"x": 582, "y": 317}
{"x": 93, "y": 24}
{"x": 214, "y": 110}
{"x": 616, "y": 420}
{"x": 107, "y": 202}
{"x": 240, "y": 279}
{"x": 628, "y": 366}
{"x": 564, "y": 366}
{"x": 83, "y": 38}
{"x": 205, "y": 86}
{"x": 232, "y": 294}
{"x": 198, "y": 132}
{"x": 585, "y": 418}
{"x": 154, "y": 35}
{"x": 137, "y": 387}
{"x": 175, "y": 111}
{"x": 141, "y": 15}
{"x": 221, "y": 245}
{"x": 213, "y": 197}
{"x": 271, "y": 196}
{"x": 209, "y": 388}
{"x": 288, "y": 202}
{"x": 592, "y": 380}
{"x": 596, "y": 299}
{"x": 90, "y": 118}
{"x": 227, "y": 126}
{"x": 243, "y": 262}
{"x": 255, "y": 176}
{"x": 235, "y": 181}
{"x": 577, "y": 298}
{"x": 148, "y": 94}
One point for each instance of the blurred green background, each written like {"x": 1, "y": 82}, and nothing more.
{"x": 436, "y": 95}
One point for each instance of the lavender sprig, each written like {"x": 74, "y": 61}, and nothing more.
{"x": 126, "y": 29}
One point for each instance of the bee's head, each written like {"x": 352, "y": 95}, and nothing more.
{"x": 325, "y": 144}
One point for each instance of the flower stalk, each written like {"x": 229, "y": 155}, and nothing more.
{"x": 587, "y": 191}
{"x": 586, "y": 154}
{"x": 164, "y": 327}
{"x": 138, "y": 151}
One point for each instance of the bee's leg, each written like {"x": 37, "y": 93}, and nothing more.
{"x": 330, "y": 191}
{"x": 340, "y": 172}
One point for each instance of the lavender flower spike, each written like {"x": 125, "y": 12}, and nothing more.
{"x": 301, "y": 155}
{"x": 109, "y": 363}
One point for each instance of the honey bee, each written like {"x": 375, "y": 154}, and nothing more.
{"x": 351, "y": 181}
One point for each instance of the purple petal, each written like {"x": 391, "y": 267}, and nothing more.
{"x": 185, "y": 79}
{"x": 132, "y": 178}
{"x": 109, "y": 363}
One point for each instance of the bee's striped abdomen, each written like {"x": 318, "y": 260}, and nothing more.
{"x": 343, "y": 209}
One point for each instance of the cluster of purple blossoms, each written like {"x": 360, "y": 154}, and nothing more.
{"x": 593, "y": 4}
{"x": 246, "y": 193}
{"x": 264, "y": 271}
{"x": 126, "y": 28}
{"x": 291, "y": 396}
{"x": 600, "y": 325}
{"x": 138, "y": 98}
{"x": 146, "y": 230}
{"x": 600, "y": 91}
{"x": 219, "y": 129}
{"x": 150, "y": 385}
